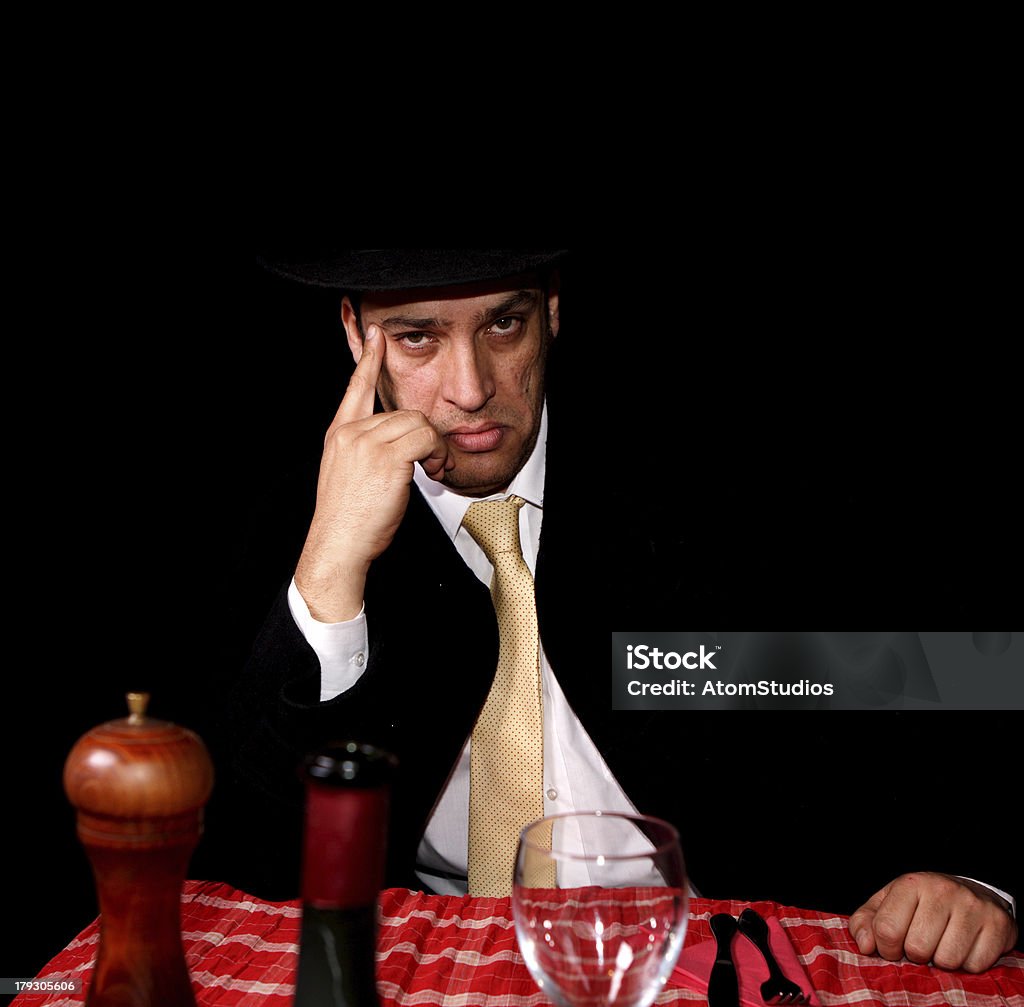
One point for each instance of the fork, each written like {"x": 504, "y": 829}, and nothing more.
{"x": 777, "y": 988}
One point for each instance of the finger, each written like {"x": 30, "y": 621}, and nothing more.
{"x": 861, "y": 924}
{"x": 430, "y": 448}
{"x": 362, "y": 386}
{"x": 996, "y": 936}
{"x": 984, "y": 953}
{"x": 963, "y": 929}
{"x": 425, "y": 445}
{"x": 893, "y": 918}
{"x": 933, "y": 917}
{"x": 439, "y": 461}
{"x": 388, "y": 427}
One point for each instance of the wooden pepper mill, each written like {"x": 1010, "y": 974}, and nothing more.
{"x": 140, "y": 786}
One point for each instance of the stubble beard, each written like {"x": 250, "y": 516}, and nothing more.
{"x": 465, "y": 482}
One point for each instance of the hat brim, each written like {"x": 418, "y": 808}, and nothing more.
{"x": 364, "y": 269}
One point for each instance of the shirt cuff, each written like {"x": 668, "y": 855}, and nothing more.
{"x": 340, "y": 647}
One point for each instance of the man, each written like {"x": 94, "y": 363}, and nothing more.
{"x": 388, "y": 630}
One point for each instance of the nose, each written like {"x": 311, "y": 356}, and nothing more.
{"x": 469, "y": 378}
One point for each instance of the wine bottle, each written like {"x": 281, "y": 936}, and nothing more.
{"x": 344, "y": 846}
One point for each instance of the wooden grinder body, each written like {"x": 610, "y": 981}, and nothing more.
{"x": 140, "y": 786}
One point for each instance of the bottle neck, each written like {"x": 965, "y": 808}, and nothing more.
{"x": 345, "y": 846}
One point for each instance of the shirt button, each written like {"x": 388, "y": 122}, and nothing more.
{"x": 552, "y": 794}
{"x": 360, "y": 659}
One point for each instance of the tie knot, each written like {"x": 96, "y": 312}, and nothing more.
{"x": 494, "y": 524}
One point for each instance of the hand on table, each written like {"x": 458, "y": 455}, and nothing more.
{"x": 951, "y": 922}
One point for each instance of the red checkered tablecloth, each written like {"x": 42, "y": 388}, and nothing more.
{"x": 462, "y": 952}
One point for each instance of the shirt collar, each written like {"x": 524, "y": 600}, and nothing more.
{"x": 450, "y": 507}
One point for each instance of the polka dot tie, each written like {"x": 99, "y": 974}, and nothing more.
{"x": 507, "y": 751}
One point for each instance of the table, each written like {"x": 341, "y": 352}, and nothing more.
{"x": 442, "y": 950}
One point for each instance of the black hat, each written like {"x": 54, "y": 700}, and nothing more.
{"x": 359, "y": 269}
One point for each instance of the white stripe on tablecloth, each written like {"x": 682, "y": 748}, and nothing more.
{"x": 562, "y": 903}
{"x": 260, "y": 907}
{"x": 854, "y": 958}
{"x": 210, "y": 981}
{"x": 75, "y": 973}
{"x": 503, "y": 922}
{"x": 447, "y": 921}
{"x": 829, "y": 923}
{"x": 81, "y": 942}
{"x": 464, "y": 956}
{"x": 252, "y": 941}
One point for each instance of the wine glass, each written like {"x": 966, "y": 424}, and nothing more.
{"x": 600, "y": 903}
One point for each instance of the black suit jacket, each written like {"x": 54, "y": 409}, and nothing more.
{"x": 817, "y": 810}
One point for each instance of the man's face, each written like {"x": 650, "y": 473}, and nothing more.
{"x": 471, "y": 358}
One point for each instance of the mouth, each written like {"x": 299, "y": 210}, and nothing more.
{"x": 485, "y": 437}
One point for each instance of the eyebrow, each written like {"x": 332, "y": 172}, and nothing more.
{"x": 514, "y": 302}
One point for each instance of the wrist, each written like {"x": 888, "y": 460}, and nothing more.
{"x": 332, "y": 594}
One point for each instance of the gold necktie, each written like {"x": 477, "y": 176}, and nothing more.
{"x": 507, "y": 750}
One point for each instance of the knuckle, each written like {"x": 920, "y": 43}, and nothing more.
{"x": 982, "y": 956}
{"x": 888, "y": 930}
{"x": 917, "y": 950}
{"x": 424, "y": 439}
{"x": 947, "y": 888}
{"x": 995, "y": 915}
{"x": 1001, "y": 928}
{"x": 335, "y": 436}
{"x": 947, "y": 959}
{"x": 906, "y": 882}
{"x": 342, "y": 433}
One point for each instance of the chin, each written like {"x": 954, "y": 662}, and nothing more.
{"x": 474, "y": 487}
{"x": 479, "y": 480}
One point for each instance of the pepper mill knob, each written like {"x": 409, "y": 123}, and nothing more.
{"x": 137, "y": 703}
{"x": 139, "y": 786}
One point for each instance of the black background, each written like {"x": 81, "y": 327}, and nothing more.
{"x": 799, "y": 434}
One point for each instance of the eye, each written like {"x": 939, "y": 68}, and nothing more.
{"x": 414, "y": 340}
{"x": 507, "y": 325}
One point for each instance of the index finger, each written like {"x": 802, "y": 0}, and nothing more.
{"x": 362, "y": 386}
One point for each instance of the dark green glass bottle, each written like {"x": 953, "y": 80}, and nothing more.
{"x": 344, "y": 847}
